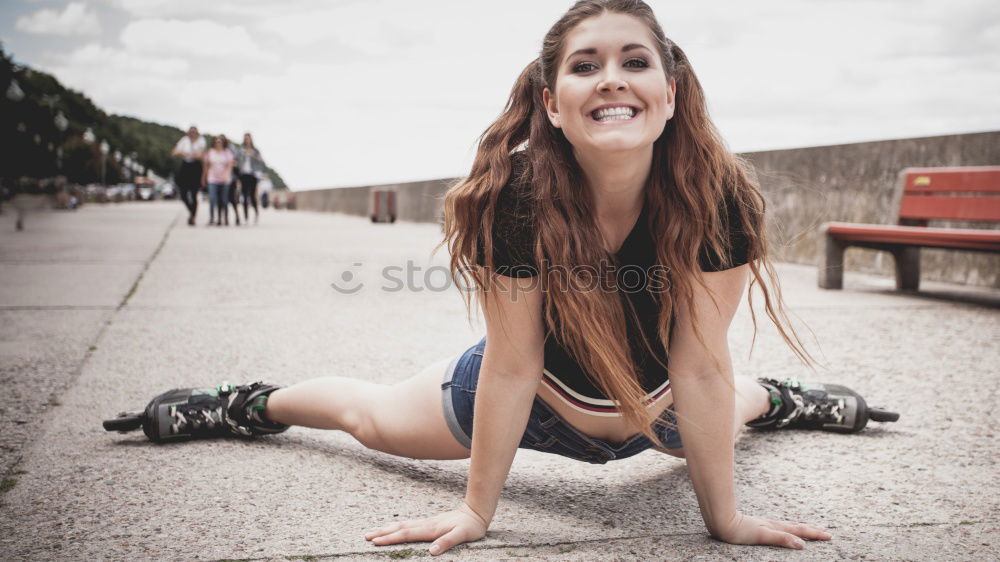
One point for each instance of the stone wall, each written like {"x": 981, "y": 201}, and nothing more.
{"x": 804, "y": 188}
{"x": 421, "y": 201}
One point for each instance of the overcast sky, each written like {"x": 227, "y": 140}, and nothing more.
{"x": 360, "y": 92}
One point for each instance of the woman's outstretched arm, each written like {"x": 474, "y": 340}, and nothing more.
{"x": 508, "y": 380}
{"x": 705, "y": 403}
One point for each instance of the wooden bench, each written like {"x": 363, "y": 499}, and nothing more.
{"x": 960, "y": 193}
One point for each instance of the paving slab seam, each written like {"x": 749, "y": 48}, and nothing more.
{"x": 928, "y": 524}
{"x": 422, "y": 548}
{"x": 74, "y": 262}
{"x": 57, "y": 307}
{"x": 10, "y": 474}
{"x": 145, "y": 267}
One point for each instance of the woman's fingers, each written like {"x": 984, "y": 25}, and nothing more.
{"x": 445, "y": 531}
{"x": 448, "y": 540}
{"x": 384, "y": 530}
{"x": 780, "y": 538}
{"x": 406, "y": 534}
{"x": 811, "y": 532}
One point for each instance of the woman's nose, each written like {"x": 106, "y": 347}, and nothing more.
{"x": 612, "y": 82}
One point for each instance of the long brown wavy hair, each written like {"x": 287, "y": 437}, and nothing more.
{"x": 692, "y": 175}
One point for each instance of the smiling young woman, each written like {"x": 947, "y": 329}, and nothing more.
{"x": 606, "y": 229}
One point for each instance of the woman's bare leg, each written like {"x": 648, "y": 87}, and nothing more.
{"x": 405, "y": 419}
{"x": 752, "y": 402}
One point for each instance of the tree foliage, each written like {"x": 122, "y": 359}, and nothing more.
{"x": 35, "y": 147}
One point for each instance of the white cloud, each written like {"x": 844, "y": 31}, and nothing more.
{"x": 374, "y": 91}
{"x": 257, "y": 9}
{"x": 200, "y": 38}
{"x": 127, "y": 64}
{"x": 74, "y": 20}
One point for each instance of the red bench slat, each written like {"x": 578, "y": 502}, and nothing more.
{"x": 959, "y": 193}
{"x": 943, "y": 207}
{"x": 966, "y": 238}
{"x": 966, "y": 178}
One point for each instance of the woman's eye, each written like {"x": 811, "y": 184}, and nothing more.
{"x": 588, "y": 66}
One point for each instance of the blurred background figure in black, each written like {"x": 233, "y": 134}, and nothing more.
{"x": 191, "y": 149}
{"x": 250, "y": 166}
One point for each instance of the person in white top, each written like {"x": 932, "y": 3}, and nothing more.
{"x": 190, "y": 148}
{"x": 264, "y": 187}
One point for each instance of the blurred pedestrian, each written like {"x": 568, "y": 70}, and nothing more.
{"x": 264, "y": 187}
{"x": 217, "y": 173}
{"x": 251, "y": 169}
{"x": 191, "y": 149}
{"x": 233, "y": 190}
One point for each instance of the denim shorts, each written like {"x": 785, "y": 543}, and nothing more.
{"x": 547, "y": 431}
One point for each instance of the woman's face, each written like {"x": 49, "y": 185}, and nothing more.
{"x": 610, "y": 62}
{"x": 217, "y": 143}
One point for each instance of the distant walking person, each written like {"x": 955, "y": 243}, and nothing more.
{"x": 251, "y": 169}
{"x": 233, "y": 191}
{"x": 216, "y": 175}
{"x": 191, "y": 149}
{"x": 265, "y": 186}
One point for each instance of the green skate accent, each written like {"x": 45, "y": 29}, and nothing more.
{"x": 260, "y": 403}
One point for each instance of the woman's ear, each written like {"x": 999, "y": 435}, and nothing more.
{"x": 551, "y": 108}
{"x": 672, "y": 95}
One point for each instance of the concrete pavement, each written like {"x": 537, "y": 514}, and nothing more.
{"x": 104, "y": 307}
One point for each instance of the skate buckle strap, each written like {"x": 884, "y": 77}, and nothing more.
{"x": 794, "y": 414}
{"x": 230, "y": 392}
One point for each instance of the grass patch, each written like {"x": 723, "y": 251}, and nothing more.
{"x": 509, "y": 553}
{"x": 20, "y": 472}
{"x": 306, "y": 557}
{"x": 7, "y": 484}
{"x": 567, "y": 548}
{"x": 408, "y": 552}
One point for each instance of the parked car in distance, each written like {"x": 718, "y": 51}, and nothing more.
{"x": 144, "y": 189}
{"x": 96, "y": 192}
{"x": 167, "y": 190}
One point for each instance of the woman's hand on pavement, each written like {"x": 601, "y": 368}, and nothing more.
{"x": 744, "y": 529}
{"x": 449, "y": 529}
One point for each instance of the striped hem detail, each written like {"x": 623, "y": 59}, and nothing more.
{"x": 594, "y": 406}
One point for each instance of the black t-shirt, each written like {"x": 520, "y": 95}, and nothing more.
{"x": 513, "y": 256}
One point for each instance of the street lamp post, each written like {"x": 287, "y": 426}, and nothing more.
{"x": 104, "y": 163}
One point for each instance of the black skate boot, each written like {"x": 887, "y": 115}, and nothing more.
{"x": 186, "y": 413}
{"x": 829, "y": 407}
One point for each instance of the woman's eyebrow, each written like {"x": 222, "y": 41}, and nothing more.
{"x": 593, "y": 51}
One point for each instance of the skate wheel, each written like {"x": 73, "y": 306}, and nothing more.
{"x": 125, "y": 422}
{"x": 880, "y": 415}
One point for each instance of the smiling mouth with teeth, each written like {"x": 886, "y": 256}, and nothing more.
{"x": 620, "y": 113}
